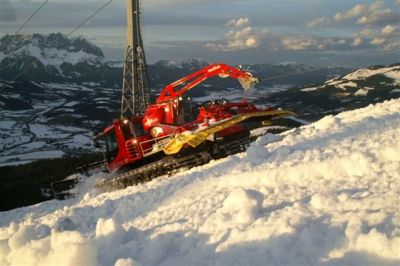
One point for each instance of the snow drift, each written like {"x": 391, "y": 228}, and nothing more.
{"x": 323, "y": 194}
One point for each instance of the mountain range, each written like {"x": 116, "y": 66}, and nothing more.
{"x": 57, "y": 58}
{"x": 65, "y": 90}
{"x": 354, "y": 90}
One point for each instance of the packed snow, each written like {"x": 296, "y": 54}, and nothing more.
{"x": 363, "y": 91}
{"x": 310, "y": 89}
{"x": 327, "y": 193}
{"x": 346, "y": 85}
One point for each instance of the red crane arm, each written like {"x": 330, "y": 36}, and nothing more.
{"x": 169, "y": 94}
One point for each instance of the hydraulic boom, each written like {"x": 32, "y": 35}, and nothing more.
{"x": 246, "y": 79}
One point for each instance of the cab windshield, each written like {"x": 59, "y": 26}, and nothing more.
{"x": 132, "y": 130}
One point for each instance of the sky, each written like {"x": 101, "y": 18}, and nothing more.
{"x": 350, "y": 33}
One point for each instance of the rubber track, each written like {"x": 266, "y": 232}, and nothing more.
{"x": 170, "y": 164}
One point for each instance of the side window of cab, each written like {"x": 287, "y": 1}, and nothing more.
{"x": 112, "y": 145}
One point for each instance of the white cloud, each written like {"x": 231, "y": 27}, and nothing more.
{"x": 392, "y": 46}
{"x": 378, "y": 41}
{"x": 378, "y": 16}
{"x": 385, "y": 38}
{"x": 355, "y": 12}
{"x": 375, "y": 6}
{"x": 375, "y": 17}
{"x": 397, "y": 2}
{"x": 367, "y": 32}
{"x": 311, "y": 42}
{"x": 299, "y": 43}
{"x": 240, "y": 38}
{"x": 240, "y": 22}
{"x": 357, "y": 41}
{"x": 247, "y": 38}
{"x": 318, "y": 22}
{"x": 389, "y": 29}
{"x": 237, "y": 40}
{"x": 372, "y": 14}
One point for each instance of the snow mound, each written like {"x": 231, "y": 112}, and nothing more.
{"x": 323, "y": 194}
{"x": 241, "y": 207}
{"x": 28, "y": 246}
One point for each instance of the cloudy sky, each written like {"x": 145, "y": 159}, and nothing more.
{"x": 348, "y": 33}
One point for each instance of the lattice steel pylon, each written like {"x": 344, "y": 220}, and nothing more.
{"x": 135, "y": 85}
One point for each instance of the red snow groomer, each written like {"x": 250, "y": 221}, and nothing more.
{"x": 165, "y": 136}
{"x": 161, "y": 141}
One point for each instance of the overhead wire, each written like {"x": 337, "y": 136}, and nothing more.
{"x": 31, "y": 17}
{"x": 89, "y": 18}
{"x": 286, "y": 75}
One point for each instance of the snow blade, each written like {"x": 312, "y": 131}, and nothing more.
{"x": 196, "y": 138}
{"x": 61, "y": 188}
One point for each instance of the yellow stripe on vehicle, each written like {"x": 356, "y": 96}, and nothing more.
{"x": 196, "y": 138}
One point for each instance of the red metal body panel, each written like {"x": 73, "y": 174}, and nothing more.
{"x": 130, "y": 149}
{"x": 170, "y": 113}
{"x": 232, "y": 130}
{"x": 219, "y": 111}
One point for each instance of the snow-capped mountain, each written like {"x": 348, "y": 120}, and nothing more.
{"x": 51, "y": 50}
{"x": 51, "y": 57}
{"x": 323, "y": 194}
{"x": 13, "y": 43}
{"x": 190, "y": 64}
{"x": 56, "y": 58}
{"x": 354, "y": 90}
{"x": 363, "y": 81}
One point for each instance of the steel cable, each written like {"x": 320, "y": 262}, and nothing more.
{"x": 89, "y": 18}
{"x": 31, "y": 17}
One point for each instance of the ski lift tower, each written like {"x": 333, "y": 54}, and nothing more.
{"x": 135, "y": 86}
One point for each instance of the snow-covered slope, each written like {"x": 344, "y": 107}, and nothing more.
{"x": 324, "y": 194}
{"x": 361, "y": 81}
